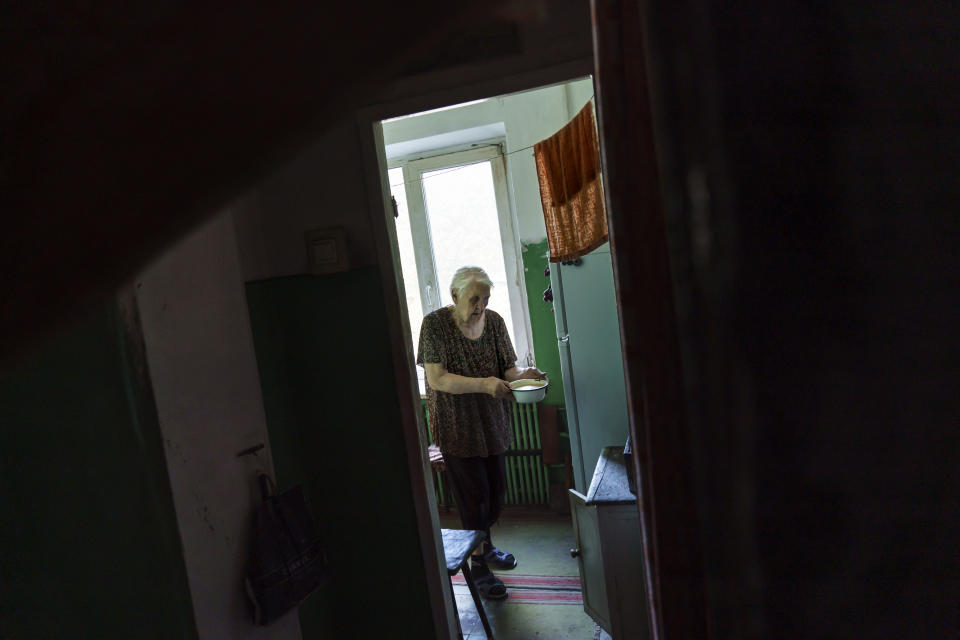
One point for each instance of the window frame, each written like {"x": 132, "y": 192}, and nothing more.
{"x": 430, "y": 289}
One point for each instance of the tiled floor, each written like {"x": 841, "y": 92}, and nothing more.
{"x": 541, "y": 544}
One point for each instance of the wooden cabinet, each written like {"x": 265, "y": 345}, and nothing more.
{"x": 608, "y": 550}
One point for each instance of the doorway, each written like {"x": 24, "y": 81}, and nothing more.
{"x": 463, "y": 190}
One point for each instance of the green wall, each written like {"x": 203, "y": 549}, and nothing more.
{"x": 541, "y": 319}
{"x": 544, "y": 329}
{"x": 326, "y": 370}
{"x": 90, "y": 546}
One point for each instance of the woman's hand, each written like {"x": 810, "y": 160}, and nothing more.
{"x": 524, "y": 374}
{"x": 497, "y": 388}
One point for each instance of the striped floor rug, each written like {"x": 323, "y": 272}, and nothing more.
{"x": 534, "y": 589}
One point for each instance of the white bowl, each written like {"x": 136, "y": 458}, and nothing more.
{"x": 527, "y": 390}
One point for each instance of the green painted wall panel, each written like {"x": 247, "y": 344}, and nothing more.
{"x": 90, "y": 545}
{"x": 535, "y": 260}
{"x": 325, "y": 366}
{"x": 541, "y": 319}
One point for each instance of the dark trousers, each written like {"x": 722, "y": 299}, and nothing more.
{"x": 479, "y": 487}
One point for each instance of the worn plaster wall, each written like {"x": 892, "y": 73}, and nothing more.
{"x": 202, "y": 364}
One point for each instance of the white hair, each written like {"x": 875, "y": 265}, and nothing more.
{"x": 465, "y": 275}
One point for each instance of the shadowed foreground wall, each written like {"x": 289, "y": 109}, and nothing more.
{"x": 90, "y": 547}
{"x": 809, "y": 156}
{"x": 330, "y": 398}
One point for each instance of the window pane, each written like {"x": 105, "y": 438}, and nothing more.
{"x": 465, "y": 230}
{"x": 408, "y": 264}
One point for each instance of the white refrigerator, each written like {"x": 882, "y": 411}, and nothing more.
{"x": 588, "y": 336}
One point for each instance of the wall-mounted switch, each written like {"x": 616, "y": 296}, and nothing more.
{"x": 327, "y": 250}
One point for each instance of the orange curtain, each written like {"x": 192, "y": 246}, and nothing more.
{"x": 568, "y": 167}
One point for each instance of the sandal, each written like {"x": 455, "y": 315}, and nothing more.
{"x": 500, "y": 559}
{"x": 488, "y": 585}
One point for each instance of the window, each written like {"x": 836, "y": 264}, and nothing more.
{"x": 454, "y": 211}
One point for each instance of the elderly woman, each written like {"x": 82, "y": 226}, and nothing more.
{"x": 468, "y": 359}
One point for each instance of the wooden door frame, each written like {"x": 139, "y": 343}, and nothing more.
{"x": 648, "y": 331}
{"x": 381, "y": 218}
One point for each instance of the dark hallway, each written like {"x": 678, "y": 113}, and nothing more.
{"x": 782, "y": 198}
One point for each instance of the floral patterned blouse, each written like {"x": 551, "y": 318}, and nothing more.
{"x": 467, "y": 424}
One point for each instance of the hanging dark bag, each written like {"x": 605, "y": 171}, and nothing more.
{"x": 287, "y": 561}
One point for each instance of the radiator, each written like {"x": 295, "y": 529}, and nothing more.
{"x": 527, "y": 480}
